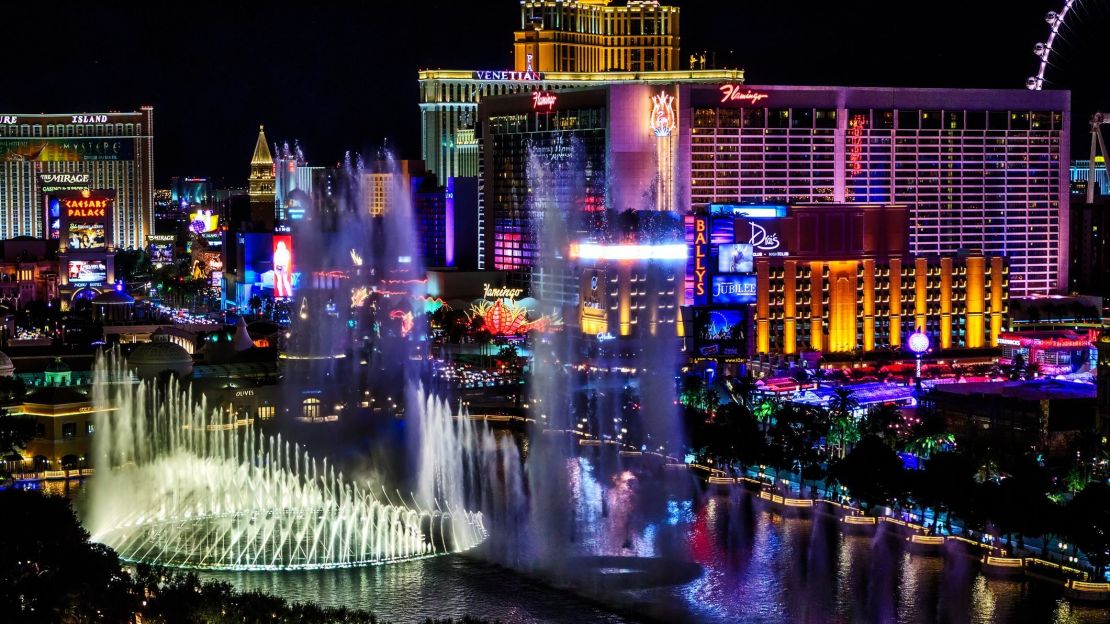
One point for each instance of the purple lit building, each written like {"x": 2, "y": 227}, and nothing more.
{"x": 977, "y": 169}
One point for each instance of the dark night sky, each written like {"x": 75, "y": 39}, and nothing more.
{"x": 343, "y": 76}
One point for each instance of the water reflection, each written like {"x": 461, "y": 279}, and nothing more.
{"x": 752, "y": 566}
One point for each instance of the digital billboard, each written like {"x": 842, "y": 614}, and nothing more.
{"x": 283, "y": 266}
{"x": 54, "y": 217}
{"x": 161, "y": 248}
{"x": 87, "y": 272}
{"x": 733, "y": 289}
{"x": 735, "y": 258}
{"x": 85, "y": 236}
{"x": 203, "y": 221}
{"x": 594, "y": 311}
{"x": 67, "y": 149}
{"x": 205, "y": 263}
{"x": 80, "y": 218}
{"x": 720, "y": 331}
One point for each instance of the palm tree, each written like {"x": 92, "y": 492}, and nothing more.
{"x": 925, "y": 446}
{"x": 765, "y": 414}
{"x": 844, "y": 402}
{"x": 844, "y": 432}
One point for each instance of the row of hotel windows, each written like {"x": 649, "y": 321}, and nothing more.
{"x": 621, "y": 20}
{"x": 878, "y": 120}
{"x": 69, "y": 130}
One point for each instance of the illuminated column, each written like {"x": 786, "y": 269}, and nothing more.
{"x": 920, "y": 292}
{"x": 624, "y": 297}
{"x": 998, "y": 298}
{"x": 843, "y": 293}
{"x": 868, "y": 305}
{"x": 678, "y": 275}
{"x": 896, "y": 302}
{"x": 763, "y": 306}
{"x": 976, "y": 298}
{"x": 816, "y": 309}
{"x": 945, "y": 303}
{"x": 790, "y": 307}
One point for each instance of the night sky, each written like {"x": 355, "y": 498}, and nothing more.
{"x": 344, "y": 76}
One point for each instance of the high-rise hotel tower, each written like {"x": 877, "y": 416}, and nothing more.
{"x": 561, "y": 44}
{"x": 42, "y": 153}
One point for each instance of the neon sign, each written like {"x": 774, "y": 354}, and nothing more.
{"x": 497, "y": 292}
{"x": 701, "y": 252}
{"x": 507, "y": 75}
{"x": 662, "y": 120}
{"x": 734, "y": 93}
{"x": 8, "y": 119}
{"x": 543, "y": 99}
{"x": 84, "y": 119}
{"x": 62, "y": 178}
{"x": 855, "y": 138}
{"x": 761, "y": 240}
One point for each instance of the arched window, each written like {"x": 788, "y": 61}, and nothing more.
{"x": 311, "y": 408}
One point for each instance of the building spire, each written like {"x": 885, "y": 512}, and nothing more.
{"x": 262, "y": 154}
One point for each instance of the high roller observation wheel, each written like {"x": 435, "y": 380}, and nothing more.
{"x": 1043, "y": 51}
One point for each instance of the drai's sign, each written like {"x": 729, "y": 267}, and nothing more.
{"x": 87, "y": 119}
{"x": 519, "y": 76}
{"x": 500, "y": 292}
{"x": 761, "y": 240}
{"x": 737, "y": 93}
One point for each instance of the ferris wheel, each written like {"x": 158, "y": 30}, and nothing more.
{"x": 1053, "y": 54}
{"x": 1044, "y": 51}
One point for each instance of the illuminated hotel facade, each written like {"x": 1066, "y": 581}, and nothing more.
{"x": 976, "y": 168}
{"x": 560, "y": 45}
{"x": 449, "y": 104}
{"x": 105, "y": 151}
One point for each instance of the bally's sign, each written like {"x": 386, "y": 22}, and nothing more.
{"x": 697, "y": 269}
{"x": 504, "y": 75}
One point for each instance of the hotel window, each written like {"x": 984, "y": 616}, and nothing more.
{"x": 311, "y": 408}
{"x": 69, "y": 430}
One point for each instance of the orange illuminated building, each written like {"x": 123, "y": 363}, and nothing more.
{"x": 596, "y": 36}
{"x": 844, "y": 282}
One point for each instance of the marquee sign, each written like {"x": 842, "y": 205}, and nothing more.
{"x": 543, "y": 99}
{"x": 64, "y": 179}
{"x": 697, "y": 269}
{"x": 499, "y": 292}
{"x": 737, "y": 93}
{"x": 499, "y": 75}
